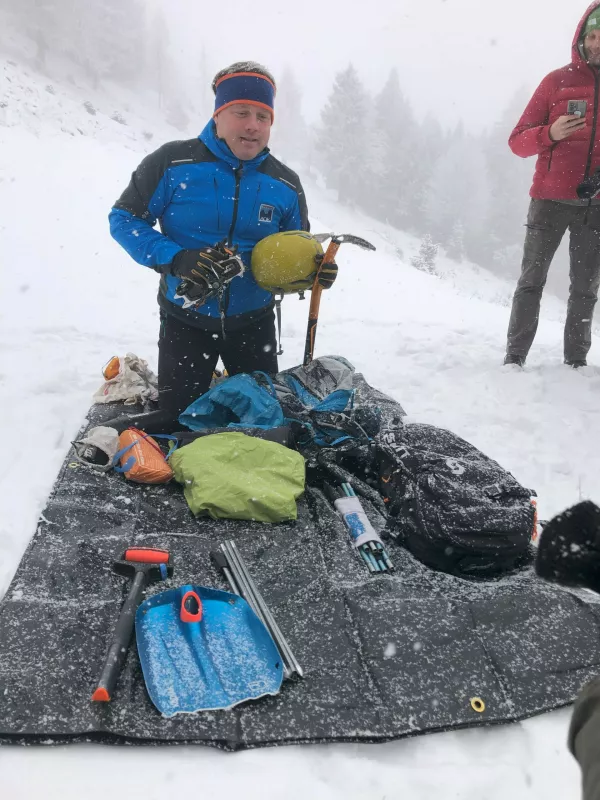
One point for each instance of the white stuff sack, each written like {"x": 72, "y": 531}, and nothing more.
{"x": 98, "y": 448}
{"x": 135, "y": 383}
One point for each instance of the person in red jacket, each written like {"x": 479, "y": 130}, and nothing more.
{"x": 560, "y": 127}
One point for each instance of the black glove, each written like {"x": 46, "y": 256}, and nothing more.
{"x": 204, "y": 272}
{"x": 569, "y": 548}
{"x": 328, "y": 273}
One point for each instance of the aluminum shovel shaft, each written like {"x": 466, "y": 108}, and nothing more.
{"x": 240, "y": 576}
{"x": 270, "y": 619}
{"x": 244, "y": 580}
{"x": 249, "y": 591}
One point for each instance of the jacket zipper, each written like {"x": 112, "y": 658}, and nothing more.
{"x": 236, "y": 200}
{"x": 551, "y": 157}
{"x": 594, "y": 125}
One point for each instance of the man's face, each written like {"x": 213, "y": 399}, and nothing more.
{"x": 591, "y": 45}
{"x": 246, "y": 129}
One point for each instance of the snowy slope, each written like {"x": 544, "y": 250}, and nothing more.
{"x": 71, "y": 299}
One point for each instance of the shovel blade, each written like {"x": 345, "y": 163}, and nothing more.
{"x": 225, "y": 659}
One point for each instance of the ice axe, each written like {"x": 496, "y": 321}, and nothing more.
{"x": 145, "y": 565}
{"x": 315, "y": 300}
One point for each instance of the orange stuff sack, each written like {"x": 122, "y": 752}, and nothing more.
{"x": 141, "y": 458}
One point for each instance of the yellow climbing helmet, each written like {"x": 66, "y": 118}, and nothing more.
{"x": 285, "y": 262}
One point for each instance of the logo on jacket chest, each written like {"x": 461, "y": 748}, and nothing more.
{"x": 265, "y": 213}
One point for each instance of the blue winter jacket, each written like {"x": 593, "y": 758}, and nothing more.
{"x": 201, "y": 194}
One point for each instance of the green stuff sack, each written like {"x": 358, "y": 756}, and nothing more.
{"x": 234, "y": 476}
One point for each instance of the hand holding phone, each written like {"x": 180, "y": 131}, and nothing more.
{"x": 566, "y": 125}
{"x": 577, "y": 108}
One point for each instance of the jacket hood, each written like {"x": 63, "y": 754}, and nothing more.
{"x": 577, "y": 48}
{"x": 220, "y": 148}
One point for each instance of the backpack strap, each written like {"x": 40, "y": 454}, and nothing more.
{"x": 128, "y": 464}
{"x": 169, "y": 437}
{"x": 270, "y": 386}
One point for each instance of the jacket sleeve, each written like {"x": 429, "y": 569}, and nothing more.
{"x": 134, "y": 215}
{"x": 532, "y": 134}
{"x": 296, "y": 218}
{"x": 584, "y": 738}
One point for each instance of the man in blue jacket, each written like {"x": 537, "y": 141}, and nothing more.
{"x": 214, "y": 197}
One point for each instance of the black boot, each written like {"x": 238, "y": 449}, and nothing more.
{"x": 512, "y": 358}
{"x": 577, "y": 363}
{"x": 159, "y": 421}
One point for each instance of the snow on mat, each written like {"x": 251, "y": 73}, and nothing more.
{"x": 384, "y": 657}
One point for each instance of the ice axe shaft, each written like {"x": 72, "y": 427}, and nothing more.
{"x": 317, "y": 289}
{"x": 315, "y": 303}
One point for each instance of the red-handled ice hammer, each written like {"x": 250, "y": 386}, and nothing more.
{"x": 317, "y": 289}
{"x": 145, "y": 565}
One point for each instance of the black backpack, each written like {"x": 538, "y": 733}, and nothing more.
{"x": 454, "y": 508}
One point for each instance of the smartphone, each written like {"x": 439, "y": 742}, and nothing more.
{"x": 577, "y": 108}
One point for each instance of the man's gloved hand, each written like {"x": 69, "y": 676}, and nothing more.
{"x": 327, "y": 274}
{"x": 569, "y": 548}
{"x": 204, "y": 272}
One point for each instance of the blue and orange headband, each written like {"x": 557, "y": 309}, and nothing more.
{"x": 245, "y": 87}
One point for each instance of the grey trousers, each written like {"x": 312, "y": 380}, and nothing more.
{"x": 584, "y": 738}
{"x": 547, "y": 223}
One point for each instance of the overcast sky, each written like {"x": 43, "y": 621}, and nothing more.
{"x": 460, "y": 59}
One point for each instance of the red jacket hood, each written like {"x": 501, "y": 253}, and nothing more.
{"x": 577, "y": 58}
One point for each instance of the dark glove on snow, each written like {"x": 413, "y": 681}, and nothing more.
{"x": 569, "y": 548}
{"x": 204, "y": 272}
{"x": 327, "y": 274}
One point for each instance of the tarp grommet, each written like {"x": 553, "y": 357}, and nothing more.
{"x": 478, "y": 705}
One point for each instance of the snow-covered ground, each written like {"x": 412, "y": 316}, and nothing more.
{"x": 71, "y": 299}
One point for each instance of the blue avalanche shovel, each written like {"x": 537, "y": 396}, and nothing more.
{"x": 203, "y": 649}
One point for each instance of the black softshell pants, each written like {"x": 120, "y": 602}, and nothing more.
{"x": 547, "y": 223}
{"x": 187, "y": 357}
